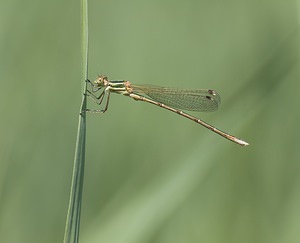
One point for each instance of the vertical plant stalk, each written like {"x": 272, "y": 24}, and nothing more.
{"x": 74, "y": 210}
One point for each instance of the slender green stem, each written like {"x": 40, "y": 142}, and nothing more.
{"x": 74, "y": 210}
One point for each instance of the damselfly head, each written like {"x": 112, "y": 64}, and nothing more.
{"x": 101, "y": 80}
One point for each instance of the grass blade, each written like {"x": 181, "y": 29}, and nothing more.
{"x": 74, "y": 210}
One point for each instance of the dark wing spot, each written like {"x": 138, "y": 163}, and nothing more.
{"x": 209, "y": 98}
{"x": 212, "y": 92}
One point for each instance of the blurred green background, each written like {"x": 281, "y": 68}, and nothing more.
{"x": 152, "y": 176}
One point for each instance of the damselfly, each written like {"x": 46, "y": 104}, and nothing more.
{"x": 172, "y": 99}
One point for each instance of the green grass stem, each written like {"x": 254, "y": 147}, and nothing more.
{"x": 74, "y": 210}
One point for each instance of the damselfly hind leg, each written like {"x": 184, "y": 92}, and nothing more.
{"x": 99, "y": 102}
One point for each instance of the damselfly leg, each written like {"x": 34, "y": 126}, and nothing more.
{"x": 98, "y": 99}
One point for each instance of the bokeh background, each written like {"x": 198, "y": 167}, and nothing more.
{"x": 150, "y": 175}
